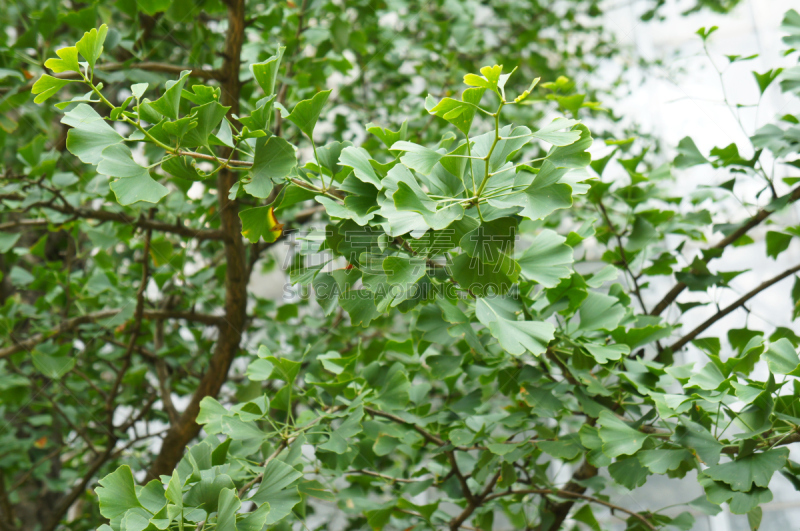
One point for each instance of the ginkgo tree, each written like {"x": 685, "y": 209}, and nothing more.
{"x": 451, "y": 336}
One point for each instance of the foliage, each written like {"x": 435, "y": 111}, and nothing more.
{"x": 451, "y": 327}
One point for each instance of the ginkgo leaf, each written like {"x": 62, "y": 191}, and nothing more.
{"x": 260, "y": 222}
{"x": 418, "y": 158}
{"x": 91, "y": 44}
{"x": 117, "y": 493}
{"x": 618, "y": 438}
{"x": 67, "y": 61}
{"x": 266, "y": 73}
{"x": 275, "y": 158}
{"x": 133, "y": 182}
{"x": 306, "y": 113}
{"x": 169, "y": 102}
{"x": 359, "y": 159}
{"x": 547, "y": 260}
{"x": 753, "y": 470}
{"x": 516, "y": 336}
{"x": 46, "y": 86}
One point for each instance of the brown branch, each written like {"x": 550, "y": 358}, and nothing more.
{"x": 65, "y": 326}
{"x": 143, "y": 223}
{"x": 382, "y": 476}
{"x": 394, "y": 418}
{"x": 162, "y": 371}
{"x": 680, "y": 343}
{"x": 625, "y": 264}
{"x": 473, "y": 503}
{"x": 569, "y": 494}
{"x": 230, "y": 334}
{"x": 71, "y": 324}
{"x": 212, "y": 320}
{"x": 78, "y": 489}
{"x": 760, "y": 216}
{"x": 138, "y": 315}
{"x": 778, "y": 440}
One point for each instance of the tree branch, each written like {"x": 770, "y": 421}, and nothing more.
{"x": 760, "y": 216}
{"x": 569, "y": 494}
{"x": 230, "y": 333}
{"x": 394, "y": 418}
{"x": 679, "y": 344}
{"x": 71, "y": 324}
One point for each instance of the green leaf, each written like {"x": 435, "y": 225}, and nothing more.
{"x": 618, "y": 438}
{"x": 317, "y": 490}
{"x": 754, "y": 518}
{"x": 184, "y": 168}
{"x": 662, "y": 461}
{"x": 205, "y": 493}
{"x": 459, "y": 113}
{"x": 552, "y": 133}
{"x": 259, "y": 370}
{"x": 688, "y": 154}
{"x": 117, "y": 493}
{"x": 358, "y": 159}
{"x": 573, "y": 155}
{"x": 695, "y": 437}
{"x": 169, "y": 102}
{"x": 394, "y": 391}
{"x": 524, "y": 96}
{"x": 91, "y": 45}
{"x": 337, "y": 441}
{"x": 208, "y": 118}
{"x": 359, "y": 305}
{"x": 227, "y": 507}
{"x": 489, "y": 239}
{"x": 260, "y": 222}
{"x": 413, "y": 199}
{"x": 417, "y": 158}
{"x": 174, "y": 491}
{"x": 8, "y": 240}
{"x": 266, "y": 73}
{"x": 133, "y": 182}
{"x": 538, "y": 194}
{"x": 777, "y": 242}
{"x": 753, "y": 470}
{"x": 628, "y": 472}
{"x": 602, "y": 353}
{"x": 335, "y": 210}
{"x": 46, "y": 86}
{"x": 67, "y": 61}
{"x": 708, "y": 378}
{"x": 764, "y": 80}
{"x": 275, "y": 158}
{"x": 484, "y": 279}
{"x": 500, "y": 316}
{"x": 740, "y": 502}
{"x": 489, "y": 80}
{"x": 256, "y": 520}
{"x": 151, "y": 7}
{"x": 782, "y": 358}
{"x": 547, "y": 260}
{"x": 90, "y": 134}
{"x": 306, "y": 113}
{"x": 600, "y": 312}
{"x": 277, "y": 477}
{"x": 52, "y": 363}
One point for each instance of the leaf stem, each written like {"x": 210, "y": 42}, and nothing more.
{"x": 488, "y": 156}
